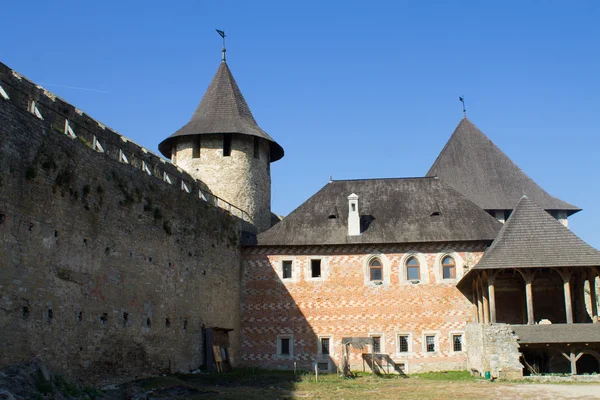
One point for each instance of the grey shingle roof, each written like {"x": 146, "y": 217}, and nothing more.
{"x": 392, "y": 211}
{"x": 472, "y": 164}
{"x": 557, "y": 333}
{"x": 223, "y": 109}
{"x": 532, "y": 238}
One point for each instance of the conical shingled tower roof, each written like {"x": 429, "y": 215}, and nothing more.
{"x": 472, "y": 164}
{"x": 532, "y": 238}
{"x": 223, "y": 109}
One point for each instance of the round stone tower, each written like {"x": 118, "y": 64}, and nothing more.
{"x": 223, "y": 146}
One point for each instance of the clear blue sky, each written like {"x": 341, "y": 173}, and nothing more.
{"x": 356, "y": 89}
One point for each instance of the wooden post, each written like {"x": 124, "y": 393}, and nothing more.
{"x": 492, "y": 297}
{"x": 568, "y": 303}
{"x": 573, "y": 359}
{"x": 594, "y": 305}
{"x": 529, "y": 297}
{"x": 479, "y": 306}
{"x": 486, "y": 305}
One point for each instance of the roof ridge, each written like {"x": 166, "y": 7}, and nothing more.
{"x": 384, "y": 179}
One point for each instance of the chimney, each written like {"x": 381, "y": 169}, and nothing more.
{"x": 353, "y": 216}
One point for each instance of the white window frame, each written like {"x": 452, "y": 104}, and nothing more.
{"x": 408, "y": 353}
{"x": 308, "y": 269}
{"x": 34, "y": 110}
{"x": 381, "y": 341}
{"x": 451, "y": 339}
{"x": 285, "y": 336}
{"x": 385, "y": 269}
{"x": 436, "y": 343}
{"x": 439, "y": 268}
{"x": 3, "y": 93}
{"x": 423, "y": 268}
{"x": 295, "y": 274}
{"x": 320, "y": 350}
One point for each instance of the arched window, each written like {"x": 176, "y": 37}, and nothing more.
{"x": 375, "y": 270}
{"x": 412, "y": 269}
{"x": 449, "y": 268}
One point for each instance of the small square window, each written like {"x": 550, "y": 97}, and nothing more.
{"x": 285, "y": 346}
{"x": 325, "y": 345}
{"x": 457, "y": 342}
{"x": 430, "y": 343}
{"x": 323, "y": 366}
{"x": 376, "y": 344}
{"x": 286, "y": 267}
{"x": 315, "y": 268}
{"x": 403, "y": 343}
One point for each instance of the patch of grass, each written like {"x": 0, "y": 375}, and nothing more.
{"x": 445, "y": 376}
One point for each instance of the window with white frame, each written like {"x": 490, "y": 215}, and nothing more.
{"x": 457, "y": 342}
{"x": 413, "y": 269}
{"x": 448, "y": 268}
{"x": 375, "y": 270}
{"x": 430, "y": 343}
{"x": 286, "y": 269}
{"x": 378, "y": 342}
{"x": 404, "y": 343}
{"x": 285, "y": 345}
{"x": 325, "y": 348}
{"x": 315, "y": 268}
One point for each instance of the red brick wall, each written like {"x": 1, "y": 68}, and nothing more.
{"x": 343, "y": 303}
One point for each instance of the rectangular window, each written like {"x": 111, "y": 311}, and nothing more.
{"x": 430, "y": 343}
{"x": 256, "y": 147}
{"x": 324, "y": 345}
{"x": 403, "y": 343}
{"x": 457, "y": 342}
{"x": 226, "y": 145}
{"x": 376, "y": 274}
{"x": 196, "y": 149}
{"x": 412, "y": 273}
{"x": 315, "y": 268}
{"x": 285, "y": 346}
{"x": 323, "y": 366}
{"x": 376, "y": 344}
{"x": 286, "y": 267}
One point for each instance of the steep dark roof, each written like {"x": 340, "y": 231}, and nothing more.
{"x": 532, "y": 238}
{"x": 223, "y": 109}
{"x": 392, "y": 211}
{"x": 472, "y": 164}
{"x": 557, "y": 333}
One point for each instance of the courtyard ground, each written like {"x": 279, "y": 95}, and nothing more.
{"x": 283, "y": 385}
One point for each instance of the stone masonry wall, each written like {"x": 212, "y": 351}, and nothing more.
{"x": 241, "y": 178}
{"x": 107, "y": 271}
{"x": 345, "y": 303}
{"x": 493, "y": 348}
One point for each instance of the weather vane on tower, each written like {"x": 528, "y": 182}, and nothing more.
{"x": 462, "y": 100}
{"x": 222, "y": 33}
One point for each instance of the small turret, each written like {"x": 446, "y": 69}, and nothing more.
{"x": 223, "y": 146}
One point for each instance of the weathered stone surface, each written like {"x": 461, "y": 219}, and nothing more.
{"x": 106, "y": 272}
{"x": 493, "y": 348}
{"x": 241, "y": 178}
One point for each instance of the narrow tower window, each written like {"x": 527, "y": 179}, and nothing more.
{"x": 256, "y": 147}
{"x": 226, "y": 145}
{"x": 196, "y": 148}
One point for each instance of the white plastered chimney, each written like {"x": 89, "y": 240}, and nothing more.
{"x": 353, "y": 216}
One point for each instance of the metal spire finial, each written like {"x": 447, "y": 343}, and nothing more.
{"x": 222, "y": 33}
{"x": 462, "y": 100}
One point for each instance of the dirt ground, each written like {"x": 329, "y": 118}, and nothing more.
{"x": 275, "y": 385}
{"x": 283, "y": 385}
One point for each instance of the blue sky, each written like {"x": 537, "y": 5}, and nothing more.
{"x": 356, "y": 89}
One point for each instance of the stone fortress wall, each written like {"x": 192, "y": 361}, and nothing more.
{"x": 111, "y": 262}
{"x": 244, "y": 177}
